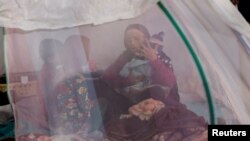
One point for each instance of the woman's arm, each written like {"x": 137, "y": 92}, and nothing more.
{"x": 162, "y": 74}
{"x": 111, "y": 75}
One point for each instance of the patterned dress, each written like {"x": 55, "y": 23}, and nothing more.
{"x": 73, "y": 104}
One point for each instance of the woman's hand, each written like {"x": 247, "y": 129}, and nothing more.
{"x": 148, "y": 52}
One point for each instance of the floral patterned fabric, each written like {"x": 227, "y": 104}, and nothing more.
{"x": 73, "y": 104}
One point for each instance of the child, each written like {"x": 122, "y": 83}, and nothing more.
{"x": 156, "y": 42}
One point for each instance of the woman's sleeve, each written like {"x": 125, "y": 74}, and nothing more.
{"x": 162, "y": 74}
{"x": 111, "y": 75}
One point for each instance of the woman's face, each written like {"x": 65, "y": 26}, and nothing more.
{"x": 134, "y": 40}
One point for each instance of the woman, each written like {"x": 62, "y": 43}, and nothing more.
{"x": 76, "y": 111}
{"x": 36, "y": 111}
{"x": 72, "y": 109}
{"x": 151, "y": 91}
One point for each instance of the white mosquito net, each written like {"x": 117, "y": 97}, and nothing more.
{"x": 163, "y": 73}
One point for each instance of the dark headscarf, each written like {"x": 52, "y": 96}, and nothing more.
{"x": 139, "y": 27}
